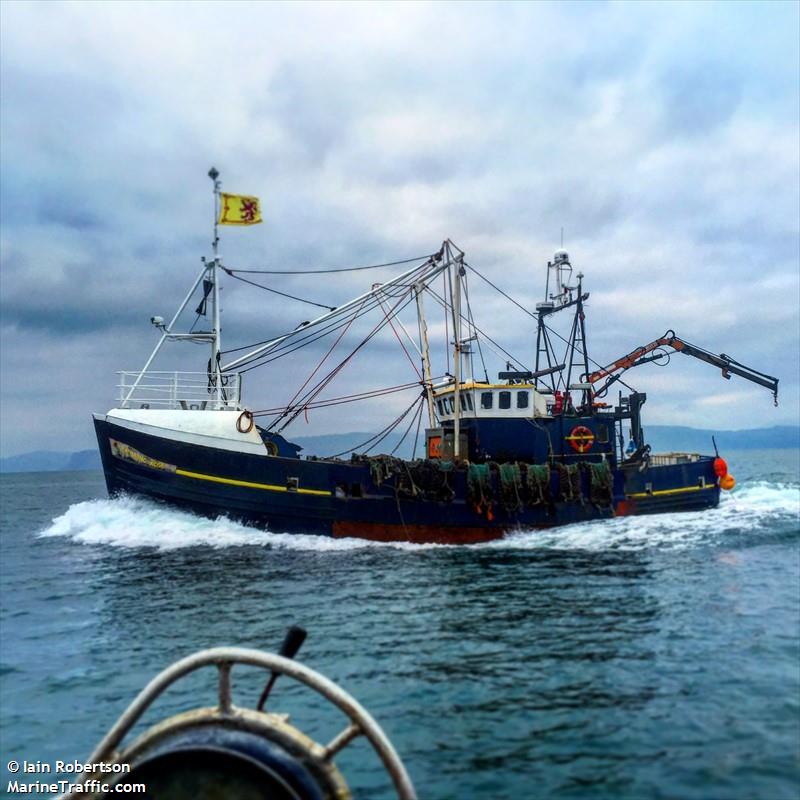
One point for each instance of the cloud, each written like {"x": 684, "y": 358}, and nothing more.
{"x": 663, "y": 139}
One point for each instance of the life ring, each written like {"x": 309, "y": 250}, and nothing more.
{"x": 580, "y": 438}
{"x": 245, "y": 427}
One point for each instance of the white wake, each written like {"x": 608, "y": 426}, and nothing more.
{"x": 132, "y": 522}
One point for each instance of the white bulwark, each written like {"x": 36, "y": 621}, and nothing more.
{"x": 208, "y": 428}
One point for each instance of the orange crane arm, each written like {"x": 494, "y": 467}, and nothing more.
{"x": 669, "y": 339}
{"x": 628, "y": 361}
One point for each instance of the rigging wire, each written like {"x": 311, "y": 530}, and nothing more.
{"x": 475, "y": 332}
{"x": 289, "y": 344}
{"x": 342, "y": 400}
{"x": 498, "y": 289}
{"x": 196, "y": 320}
{"x": 331, "y": 324}
{"x": 330, "y": 270}
{"x": 533, "y": 316}
{"x": 342, "y": 324}
{"x": 378, "y": 437}
{"x": 392, "y": 427}
{"x": 277, "y": 354}
{"x": 397, "y": 336}
{"x": 275, "y": 291}
{"x": 485, "y": 335}
{"x": 416, "y": 416}
{"x": 334, "y": 325}
{"x": 566, "y": 341}
{"x": 324, "y": 358}
{"x": 333, "y": 373}
{"x": 376, "y": 328}
{"x": 419, "y": 423}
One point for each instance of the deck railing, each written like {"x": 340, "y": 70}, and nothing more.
{"x": 177, "y": 390}
{"x": 671, "y": 459}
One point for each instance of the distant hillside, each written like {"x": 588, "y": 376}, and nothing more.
{"x": 345, "y": 443}
{"x": 661, "y": 437}
{"x": 84, "y": 459}
{"x": 675, "y": 437}
{"x": 51, "y": 461}
{"x": 38, "y": 461}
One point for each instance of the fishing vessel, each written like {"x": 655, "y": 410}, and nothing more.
{"x": 534, "y": 447}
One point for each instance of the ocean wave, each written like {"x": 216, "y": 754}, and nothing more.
{"x": 753, "y": 509}
{"x": 133, "y": 522}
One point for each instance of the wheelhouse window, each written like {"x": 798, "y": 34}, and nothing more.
{"x": 440, "y": 406}
{"x": 504, "y": 400}
{"x": 522, "y": 399}
{"x": 465, "y": 401}
{"x": 486, "y": 399}
{"x": 451, "y": 404}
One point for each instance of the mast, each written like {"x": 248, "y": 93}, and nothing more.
{"x": 216, "y": 344}
{"x": 543, "y": 345}
{"x": 456, "y": 306}
{"x": 581, "y": 317}
{"x": 577, "y": 346}
{"x": 562, "y": 296}
{"x": 425, "y": 352}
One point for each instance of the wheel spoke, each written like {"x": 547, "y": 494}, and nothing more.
{"x": 339, "y": 742}
{"x": 225, "y": 703}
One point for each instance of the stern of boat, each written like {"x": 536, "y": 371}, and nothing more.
{"x": 669, "y": 482}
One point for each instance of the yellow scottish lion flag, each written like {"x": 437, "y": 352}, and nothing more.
{"x": 238, "y": 209}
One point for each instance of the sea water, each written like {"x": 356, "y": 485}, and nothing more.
{"x": 650, "y": 657}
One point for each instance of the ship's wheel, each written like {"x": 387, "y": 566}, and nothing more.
{"x": 235, "y": 752}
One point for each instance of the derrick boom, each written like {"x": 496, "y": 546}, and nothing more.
{"x": 641, "y": 356}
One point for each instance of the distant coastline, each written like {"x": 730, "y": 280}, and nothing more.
{"x": 661, "y": 437}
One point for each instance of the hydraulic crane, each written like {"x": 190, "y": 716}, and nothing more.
{"x": 641, "y": 356}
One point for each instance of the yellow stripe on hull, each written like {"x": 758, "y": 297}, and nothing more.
{"x": 682, "y": 490}
{"x": 269, "y": 487}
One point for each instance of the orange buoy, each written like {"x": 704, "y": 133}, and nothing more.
{"x": 720, "y": 467}
{"x": 727, "y": 482}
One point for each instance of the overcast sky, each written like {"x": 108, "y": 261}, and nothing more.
{"x": 663, "y": 138}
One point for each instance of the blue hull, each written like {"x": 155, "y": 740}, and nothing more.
{"x": 342, "y": 498}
